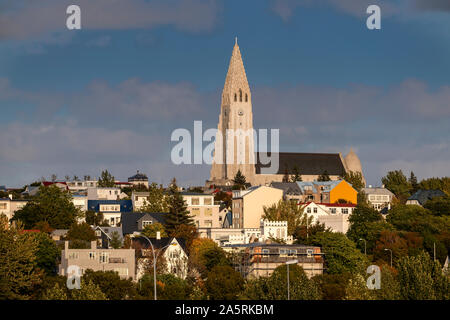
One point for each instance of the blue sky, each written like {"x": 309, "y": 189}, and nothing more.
{"x": 109, "y": 95}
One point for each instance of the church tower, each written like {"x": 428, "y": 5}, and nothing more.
{"x": 234, "y": 152}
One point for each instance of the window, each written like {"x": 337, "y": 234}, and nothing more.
{"x": 240, "y": 95}
{"x": 292, "y": 253}
{"x": 195, "y": 201}
{"x": 315, "y": 210}
{"x": 208, "y": 211}
{"x": 284, "y": 252}
{"x": 3, "y": 206}
{"x": 104, "y": 257}
{"x": 333, "y": 210}
{"x": 174, "y": 254}
{"x": 73, "y": 255}
{"x": 98, "y": 233}
{"x": 246, "y": 98}
{"x": 236, "y": 215}
{"x": 265, "y": 253}
{"x": 308, "y": 210}
{"x": 207, "y": 201}
{"x": 208, "y": 223}
{"x": 235, "y": 97}
{"x": 309, "y": 253}
{"x": 92, "y": 255}
{"x": 344, "y": 210}
{"x": 195, "y": 211}
{"x": 146, "y": 223}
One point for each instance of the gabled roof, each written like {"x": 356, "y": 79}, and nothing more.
{"x": 423, "y": 196}
{"x": 108, "y": 231}
{"x": 307, "y": 163}
{"x": 159, "y": 243}
{"x": 379, "y": 191}
{"x": 129, "y": 221}
{"x": 287, "y": 187}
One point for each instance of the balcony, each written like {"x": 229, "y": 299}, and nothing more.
{"x": 116, "y": 260}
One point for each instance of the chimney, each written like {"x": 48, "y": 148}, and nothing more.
{"x": 66, "y": 246}
{"x": 158, "y": 235}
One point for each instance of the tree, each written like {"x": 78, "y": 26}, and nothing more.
{"x": 413, "y": 182}
{"x": 274, "y": 287}
{"x": 150, "y": 230}
{"x": 187, "y": 232}
{"x": 157, "y": 200}
{"x": 287, "y": 211}
{"x": 224, "y": 283}
{"x": 332, "y": 286}
{"x": 225, "y": 197}
{"x": 51, "y": 205}
{"x": 116, "y": 241}
{"x": 341, "y": 254}
{"x": 168, "y": 286}
{"x": 355, "y": 179}
{"x": 178, "y": 213}
{"x": 324, "y": 176}
{"x": 357, "y": 289}
{"x": 110, "y": 283}
{"x": 88, "y": 291}
{"x": 18, "y": 273}
{"x": 55, "y": 293}
{"x": 286, "y": 174}
{"x": 303, "y": 233}
{"x": 106, "y": 180}
{"x": 205, "y": 254}
{"x": 54, "y": 177}
{"x": 439, "y": 206}
{"x": 47, "y": 253}
{"x": 421, "y": 278}
{"x": 94, "y": 218}
{"x": 297, "y": 176}
{"x": 239, "y": 180}
{"x": 81, "y": 232}
{"x": 396, "y": 182}
{"x": 436, "y": 184}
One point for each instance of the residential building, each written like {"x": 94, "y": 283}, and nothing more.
{"x": 139, "y": 179}
{"x": 81, "y": 186}
{"x": 140, "y": 199}
{"x": 99, "y": 259}
{"x": 105, "y": 194}
{"x": 173, "y": 250}
{"x": 135, "y": 222}
{"x": 328, "y": 191}
{"x": 204, "y": 211}
{"x": 80, "y": 202}
{"x": 248, "y": 205}
{"x": 112, "y": 210}
{"x": 105, "y": 235}
{"x": 9, "y": 206}
{"x": 291, "y": 190}
{"x": 379, "y": 198}
{"x": 333, "y": 215}
{"x": 420, "y": 197}
{"x": 254, "y": 260}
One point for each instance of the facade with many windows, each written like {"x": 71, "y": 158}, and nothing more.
{"x": 204, "y": 211}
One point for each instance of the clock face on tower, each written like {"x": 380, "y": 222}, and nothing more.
{"x": 241, "y": 112}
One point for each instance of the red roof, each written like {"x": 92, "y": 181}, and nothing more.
{"x": 30, "y": 231}
{"x": 49, "y": 183}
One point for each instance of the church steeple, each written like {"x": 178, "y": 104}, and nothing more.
{"x": 236, "y": 88}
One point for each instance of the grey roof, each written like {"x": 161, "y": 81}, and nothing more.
{"x": 129, "y": 221}
{"x": 379, "y": 191}
{"x": 59, "y": 232}
{"x": 161, "y": 243}
{"x": 287, "y": 187}
{"x": 110, "y": 230}
{"x": 423, "y": 196}
{"x": 307, "y": 163}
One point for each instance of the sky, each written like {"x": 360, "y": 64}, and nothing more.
{"x": 108, "y": 96}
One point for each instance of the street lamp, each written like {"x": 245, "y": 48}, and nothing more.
{"x": 287, "y": 264}
{"x": 154, "y": 263}
{"x": 365, "y": 246}
{"x": 391, "y": 254}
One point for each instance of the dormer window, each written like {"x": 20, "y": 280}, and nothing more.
{"x": 146, "y": 223}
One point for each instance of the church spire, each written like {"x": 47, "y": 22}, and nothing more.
{"x": 236, "y": 80}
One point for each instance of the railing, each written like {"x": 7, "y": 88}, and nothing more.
{"x": 116, "y": 260}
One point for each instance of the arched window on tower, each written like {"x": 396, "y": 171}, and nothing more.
{"x": 240, "y": 95}
{"x": 235, "y": 97}
{"x": 246, "y": 98}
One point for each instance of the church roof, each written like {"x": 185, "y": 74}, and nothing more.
{"x": 307, "y": 163}
{"x": 236, "y": 77}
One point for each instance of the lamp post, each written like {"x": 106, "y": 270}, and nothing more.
{"x": 365, "y": 246}
{"x": 154, "y": 263}
{"x": 287, "y": 264}
{"x": 386, "y": 249}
